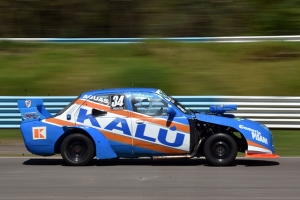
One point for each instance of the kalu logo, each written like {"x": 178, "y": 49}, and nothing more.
{"x": 256, "y": 135}
{"x": 27, "y": 103}
{"x": 39, "y": 133}
{"x": 121, "y": 124}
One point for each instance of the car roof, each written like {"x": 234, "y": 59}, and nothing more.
{"x": 119, "y": 90}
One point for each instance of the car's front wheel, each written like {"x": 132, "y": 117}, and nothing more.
{"x": 77, "y": 149}
{"x": 220, "y": 149}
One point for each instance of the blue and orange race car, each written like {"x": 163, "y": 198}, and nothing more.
{"x": 140, "y": 122}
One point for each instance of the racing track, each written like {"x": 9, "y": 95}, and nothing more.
{"x": 48, "y": 178}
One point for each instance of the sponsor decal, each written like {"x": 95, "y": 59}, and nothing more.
{"x": 256, "y": 135}
{"x": 166, "y": 97}
{"x": 39, "y": 133}
{"x": 98, "y": 99}
{"x": 27, "y": 103}
{"x": 178, "y": 106}
{"x": 142, "y": 95}
{"x": 31, "y": 115}
{"x": 239, "y": 119}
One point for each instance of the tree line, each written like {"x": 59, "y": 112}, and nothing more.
{"x": 148, "y": 18}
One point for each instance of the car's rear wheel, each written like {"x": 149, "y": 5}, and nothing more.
{"x": 77, "y": 149}
{"x": 220, "y": 149}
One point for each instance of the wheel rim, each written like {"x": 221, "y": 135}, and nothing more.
{"x": 77, "y": 150}
{"x": 220, "y": 149}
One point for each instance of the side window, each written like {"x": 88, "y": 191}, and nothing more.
{"x": 148, "y": 104}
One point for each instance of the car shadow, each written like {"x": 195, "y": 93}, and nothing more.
{"x": 163, "y": 162}
{"x": 256, "y": 162}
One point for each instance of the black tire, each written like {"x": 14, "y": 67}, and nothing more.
{"x": 220, "y": 149}
{"x": 77, "y": 149}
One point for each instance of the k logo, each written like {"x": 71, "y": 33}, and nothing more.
{"x": 39, "y": 133}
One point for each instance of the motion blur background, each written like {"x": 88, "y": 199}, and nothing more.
{"x": 148, "y": 18}
{"x": 265, "y": 68}
{"x": 61, "y": 69}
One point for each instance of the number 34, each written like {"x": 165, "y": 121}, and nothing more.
{"x": 117, "y": 100}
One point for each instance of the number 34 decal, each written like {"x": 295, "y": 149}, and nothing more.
{"x": 117, "y": 102}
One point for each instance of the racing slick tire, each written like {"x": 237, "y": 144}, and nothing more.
{"x": 220, "y": 149}
{"x": 77, "y": 149}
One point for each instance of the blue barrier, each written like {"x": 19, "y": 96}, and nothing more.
{"x": 274, "y": 112}
{"x": 291, "y": 38}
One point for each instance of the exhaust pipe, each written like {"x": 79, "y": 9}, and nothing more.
{"x": 181, "y": 156}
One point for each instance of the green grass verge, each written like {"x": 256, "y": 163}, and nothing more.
{"x": 286, "y": 141}
{"x": 177, "y": 68}
{"x": 10, "y": 135}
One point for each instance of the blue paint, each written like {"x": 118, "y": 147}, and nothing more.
{"x": 115, "y": 125}
{"x": 140, "y": 130}
{"x": 82, "y": 116}
{"x": 173, "y": 128}
{"x": 162, "y": 136}
{"x": 103, "y": 148}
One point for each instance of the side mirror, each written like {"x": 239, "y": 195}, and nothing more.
{"x": 171, "y": 111}
{"x": 98, "y": 113}
{"x": 145, "y": 103}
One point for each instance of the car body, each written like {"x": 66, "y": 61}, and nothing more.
{"x": 139, "y": 122}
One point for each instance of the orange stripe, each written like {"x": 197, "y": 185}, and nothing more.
{"x": 252, "y": 155}
{"x": 126, "y": 113}
{"x": 60, "y": 122}
{"x": 116, "y": 137}
{"x": 156, "y": 147}
{"x": 140, "y": 143}
{"x": 256, "y": 145}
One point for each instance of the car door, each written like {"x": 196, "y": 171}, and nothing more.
{"x": 108, "y": 113}
{"x": 154, "y": 131}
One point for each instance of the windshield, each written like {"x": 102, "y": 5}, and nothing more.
{"x": 174, "y": 101}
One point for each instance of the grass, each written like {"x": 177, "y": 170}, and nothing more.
{"x": 10, "y": 136}
{"x": 176, "y": 68}
{"x": 286, "y": 141}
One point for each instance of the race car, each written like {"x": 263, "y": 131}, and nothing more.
{"x": 140, "y": 122}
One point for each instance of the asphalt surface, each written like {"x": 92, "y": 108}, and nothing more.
{"x": 15, "y": 148}
{"x": 48, "y": 178}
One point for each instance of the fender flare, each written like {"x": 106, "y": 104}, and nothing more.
{"x": 102, "y": 146}
{"x": 256, "y": 134}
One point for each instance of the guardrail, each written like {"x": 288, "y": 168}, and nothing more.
{"x": 291, "y": 38}
{"x": 274, "y": 112}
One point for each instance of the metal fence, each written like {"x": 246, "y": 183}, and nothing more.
{"x": 274, "y": 112}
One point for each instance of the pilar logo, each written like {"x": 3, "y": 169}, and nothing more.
{"x": 27, "y": 103}
{"x": 39, "y": 133}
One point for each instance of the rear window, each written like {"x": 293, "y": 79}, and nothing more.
{"x": 68, "y": 106}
